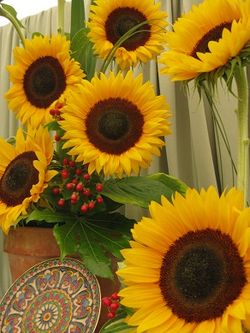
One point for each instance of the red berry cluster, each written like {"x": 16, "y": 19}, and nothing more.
{"x": 112, "y": 303}
{"x": 56, "y": 114}
{"x": 80, "y": 189}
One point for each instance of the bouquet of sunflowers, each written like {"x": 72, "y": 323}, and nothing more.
{"x": 91, "y": 125}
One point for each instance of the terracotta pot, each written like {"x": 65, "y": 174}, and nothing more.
{"x": 28, "y": 246}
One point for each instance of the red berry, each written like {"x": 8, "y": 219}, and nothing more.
{"x": 91, "y": 204}
{"x": 74, "y": 196}
{"x": 115, "y": 297}
{"x": 84, "y": 208}
{"x": 56, "y": 190}
{"x": 65, "y": 161}
{"x": 86, "y": 192}
{"x": 57, "y": 137}
{"x": 61, "y": 202}
{"x": 70, "y": 186}
{"x": 111, "y": 315}
{"x": 73, "y": 202}
{"x": 106, "y": 301}
{"x": 72, "y": 164}
{"x": 99, "y": 199}
{"x": 114, "y": 306}
{"x": 86, "y": 176}
{"x": 52, "y": 112}
{"x": 57, "y": 112}
{"x": 75, "y": 181}
{"x": 99, "y": 187}
{"x": 64, "y": 173}
{"x": 79, "y": 187}
{"x": 78, "y": 172}
{"x": 59, "y": 105}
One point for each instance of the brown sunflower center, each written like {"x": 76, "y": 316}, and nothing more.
{"x": 18, "y": 179}
{"x": 114, "y": 125}
{"x": 202, "y": 273}
{"x": 213, "y": 35}
{"x": 44, "y": 81}
{"x": 120, "y": 21}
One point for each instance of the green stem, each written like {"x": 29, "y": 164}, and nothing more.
{"x": 60, "y": 16}
{"x": 243, "y": 139}
{"x": 14, "y": 22}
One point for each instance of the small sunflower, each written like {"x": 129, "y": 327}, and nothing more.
{"x": 114, "y": 123}
{"x": 188, "y": 266}
{"x": 23, "y": 173}
{"x": 110, "y": 20}
{"x": 206, "y": 38}
{"x": 43, "y": 72}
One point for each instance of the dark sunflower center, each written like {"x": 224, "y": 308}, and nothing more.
{"x": 198, "y": 273}
{"x": 120, "y": 21}
{"x": 213, "y": 35}
{"x": 18, "y": 179}
{"x": 201, "y": 274}
{"x": 44, "y": 81}
{"x": 114, "y": 125}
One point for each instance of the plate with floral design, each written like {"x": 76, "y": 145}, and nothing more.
{"x": 54, "y": 296}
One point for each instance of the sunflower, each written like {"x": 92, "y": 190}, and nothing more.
{"x": 43, "y": 72}
{"x": 110, "y": 20}
{"x": 188, "y": 266}
{"x": 206, "y": 38}
{"x": 23, "y": 173}
{"x": 114, "y": 123}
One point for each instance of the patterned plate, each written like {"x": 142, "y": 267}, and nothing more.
{"x": 52, "y": 297}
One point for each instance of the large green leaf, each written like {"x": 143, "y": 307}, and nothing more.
{"x": 141, "y": 190}
{"x": 74, "y": 240}
{"x": 94, "y": 239}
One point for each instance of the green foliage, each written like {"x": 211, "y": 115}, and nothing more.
{"x": 77, "y": 16}
{"x": 95, "y": 239}
{"x": 118, "y": 324}
{"x": 82, "y": 51}
{"x": 141, "y": 190}
{"x": 9, "y": 11}
{"x": 81, "y": 47}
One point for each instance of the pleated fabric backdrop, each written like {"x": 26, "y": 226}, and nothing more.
{"x": 191, "y": 152}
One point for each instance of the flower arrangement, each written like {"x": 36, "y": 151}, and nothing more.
{"x": 185, "y": 266}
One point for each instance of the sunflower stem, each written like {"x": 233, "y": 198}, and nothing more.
{"x": 15, "y": 23}
{"x": 243, "y": 139}
{"x": 60, "y": 16}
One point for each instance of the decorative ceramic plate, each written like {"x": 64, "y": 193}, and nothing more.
{"x": 52, "y": 297}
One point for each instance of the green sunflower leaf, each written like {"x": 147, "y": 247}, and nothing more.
{"x": 140, "y": 191}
